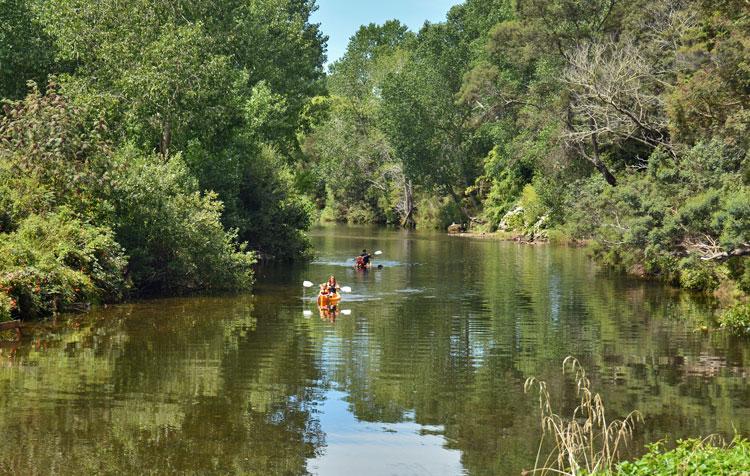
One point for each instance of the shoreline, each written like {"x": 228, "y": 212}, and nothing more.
{"x": 519, "y": 238}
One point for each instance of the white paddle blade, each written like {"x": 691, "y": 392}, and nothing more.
{"x": 346, "y": 312}
{"x": 308, "y": 284}
{"x": 346, "y": 289}
{"x": 307, "y": 313}
{"x": 378, "y": 253}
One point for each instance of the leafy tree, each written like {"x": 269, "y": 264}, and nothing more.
{"x": 355, "y": 159}
{"x": 26, "y": 51}
{"x": 73, "y": 208}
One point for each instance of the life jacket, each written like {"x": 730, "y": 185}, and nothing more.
{"x": 360, "y": 262}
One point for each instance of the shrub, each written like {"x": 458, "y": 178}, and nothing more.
{"x": 55, "y": 260}
{"x": 697, "y": 275}
{"x": 533, "y": 209}
{"x": 691, "y": 457}
{"x": 7, "y": 306}
{"x": 437, "y": 213}
{"x": 173, "y": 233}
{"x": 681, "y": 219}
{"x": 260, "y": 198}
{"x": 361, "y": 213}
{"x": 50, "y": 157}
{"x": 736, "y": 319}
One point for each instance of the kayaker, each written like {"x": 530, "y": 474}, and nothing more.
{"x": 332, "y": 286}
{"x": 366, "y": 257}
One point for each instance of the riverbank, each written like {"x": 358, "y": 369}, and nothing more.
{"x": 524, "y": 238}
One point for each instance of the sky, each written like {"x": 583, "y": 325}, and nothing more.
{"x": 340, "y": 19}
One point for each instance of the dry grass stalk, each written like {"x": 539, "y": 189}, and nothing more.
{"x": 585, "y": 443}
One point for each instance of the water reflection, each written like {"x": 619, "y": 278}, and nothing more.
{"x": 423, "y": 373}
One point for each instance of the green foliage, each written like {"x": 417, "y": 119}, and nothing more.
{"x": 70, "y": 205}
{"x": 690, "y": 457}
{"x": 54, "y": 260}
{"x": 228, "y": 88}
{"x": 697, "y": 275}
{"x": 7, "y": 306}
{"x": 736, "y": 319}
{"x": 437, "y": 213}
{"x": 272, "y": 215}
{"x": 507, "y": 181}
{"x": 49, "y": 156}
{"x": 361, "y": 214}
{"x": 172, "y": 232}
{"x": 625, "y": 123}
{"x": 26, "y": 51}
{"x": 350, "y": 150}
{"x": 681, "y": 220}
{"x": 533, "y": 209}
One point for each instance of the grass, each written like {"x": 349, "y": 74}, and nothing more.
{"x": 586, "y": 442}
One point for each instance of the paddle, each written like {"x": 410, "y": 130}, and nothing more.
{"x": 309, "y": 284}
{"x": 378, "y": 253}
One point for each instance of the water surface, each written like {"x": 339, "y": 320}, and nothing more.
{"x": 421, "y": 374}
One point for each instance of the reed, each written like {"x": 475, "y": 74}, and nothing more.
{"x": 586, "y": 442}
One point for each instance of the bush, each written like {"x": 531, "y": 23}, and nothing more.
{"x": 361, "y": 213}
{"x": 173, "y": 233}
{"x": 533, "y": 209}
{"x": 691, "y": 457}
{"x": 697, "y": 275}
{"x": 66, "y": 193}
{"x": 736, "y": 319}
{"x": 7, "y": 306}
{"x": 259, "y": 196}
{"x": 55, "y": 260}
{"x": 507, "y": 179}
{"x": 681, "y": 219}
{"x": 437, "y": 213}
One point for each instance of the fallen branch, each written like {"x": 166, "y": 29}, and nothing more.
{"x": 725, "y": 255}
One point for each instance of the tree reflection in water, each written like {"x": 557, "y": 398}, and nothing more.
{"x": 432, "y": 358}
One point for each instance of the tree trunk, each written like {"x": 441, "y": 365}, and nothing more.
{"x": 601, "y": 166}
{"x": 166, "y": 139}
{"x": 408, "y": 220}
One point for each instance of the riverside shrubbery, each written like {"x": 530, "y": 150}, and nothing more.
{"x": 685, "y": 220}
{"x": 172, "y": 129}
{"x": 736, "y": 319}
{"x": 54, "y": 260}
{"x": 691, "y": 456}
{"x": 610, "y": 122}
{"x": 83, "y": 222}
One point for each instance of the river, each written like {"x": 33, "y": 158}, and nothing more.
{"x": 421, "y": 373}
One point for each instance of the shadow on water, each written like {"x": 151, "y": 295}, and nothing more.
{"x": 419, "y": 370}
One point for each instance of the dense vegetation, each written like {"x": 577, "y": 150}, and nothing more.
{"x": 182, "y": 138}
{"x": 153, "y": 148}
{"x": 691, "y": 457}
{"x": 623, "y": 123}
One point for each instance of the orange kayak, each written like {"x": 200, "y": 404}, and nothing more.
{"x": 328, "y": 300}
